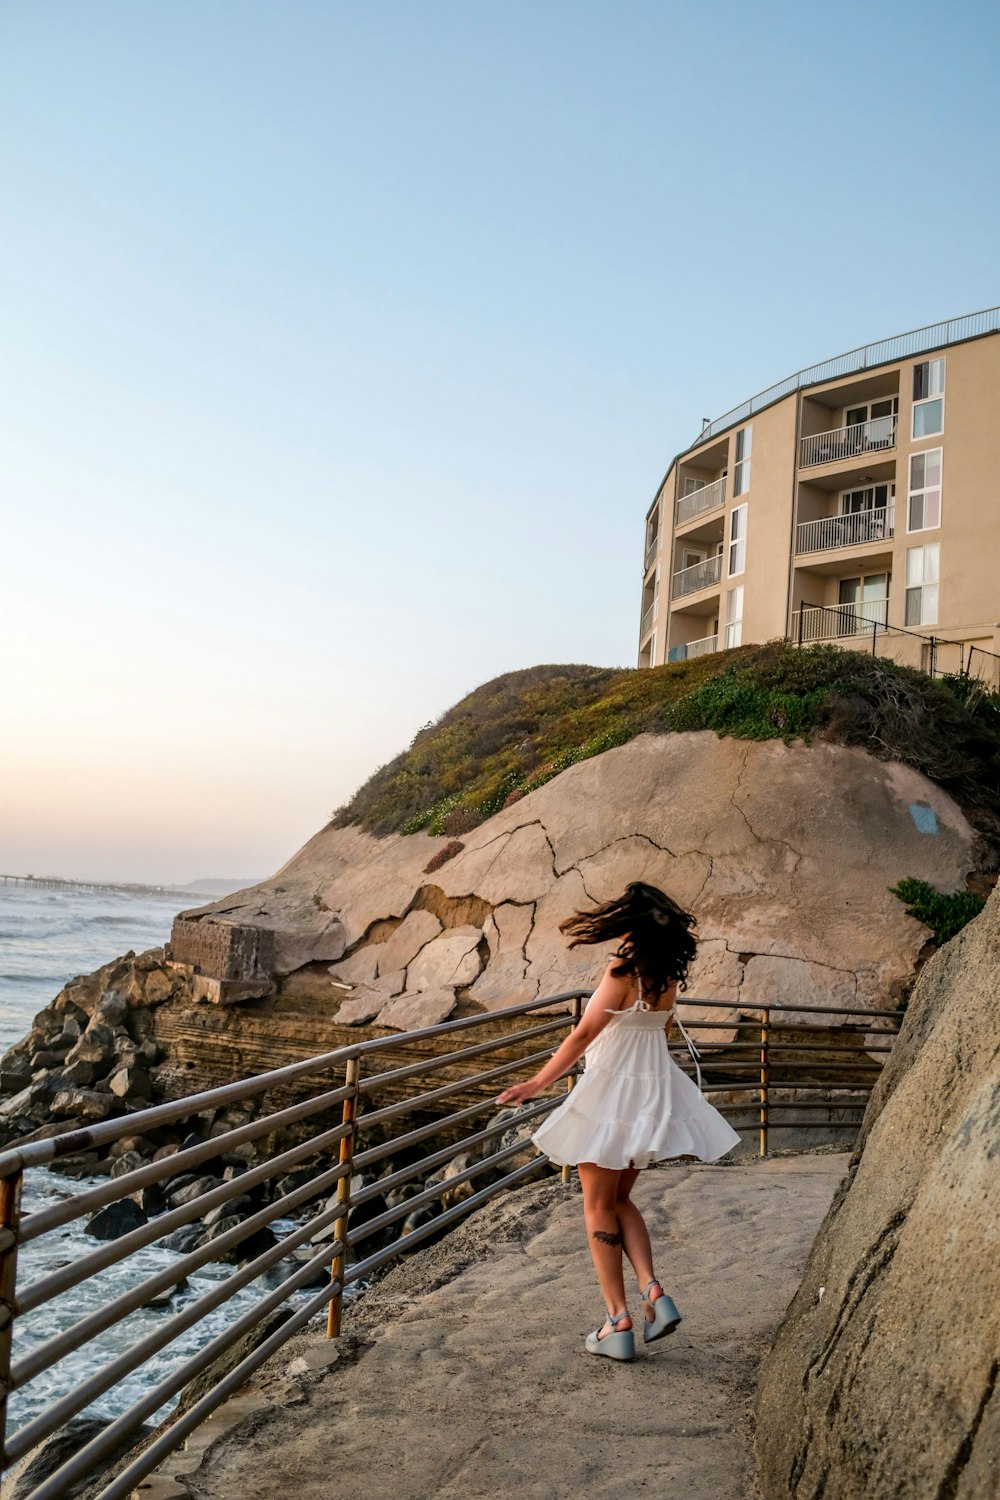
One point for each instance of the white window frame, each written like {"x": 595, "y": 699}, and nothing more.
{"x": 925, "y": 454}
{"x": 921, "y": 401}
{"x": 925, "y": 616}
{"x": 734, "y": 617}
{"x": 737, "y": 541}
{"x": 742, "y": 450}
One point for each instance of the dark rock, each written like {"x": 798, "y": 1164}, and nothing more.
{"x": 116, "y": 1219}
{"x": 140, "y": 1143}
{"x": 420, "y": 1217}
{"x": 43, "y": 1461}
{"x": 89, "y": 1104}
{"x": 131, "y": 1083}
{"x": 162, "y": 1152}
{"x": 164, "y": 1298}
{"x": 97, "y": 1045}
{"x": 234, "y": 1170}
{"x": 52, "y": 1058}
{"x": 197, "y": 1189}
{"x": 236, "y": 1208}
{"x": 184, "y": 1239}
{"x": 151, "y": 1199}
{"x": 14, "y": 1078}
{"x": 80, "y": 1074}
{"x": 112, "y": 1008}
{"x": 89, "y": 1164}
{"x": 129, "y": 1161}
{"x": 247, "y": 1249}
{"x": 194, "y": 1139}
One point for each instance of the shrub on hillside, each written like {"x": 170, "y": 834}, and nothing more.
{"x": 944, "y": 912}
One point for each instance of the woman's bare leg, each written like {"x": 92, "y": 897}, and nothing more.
{"x": 604, "y": 1236}
{"x": 635, "y": 1235}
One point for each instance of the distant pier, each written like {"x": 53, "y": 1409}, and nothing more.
{"x": 55, "y": 883}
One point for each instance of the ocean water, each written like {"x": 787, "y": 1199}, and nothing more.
{"x": 46, "y": 938}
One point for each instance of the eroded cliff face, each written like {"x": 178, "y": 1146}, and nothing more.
{"x": 785, "y": 853}
{"x": 882, "y": 1381}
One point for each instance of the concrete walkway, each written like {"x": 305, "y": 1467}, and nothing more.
{"x": 463, "y": 1374}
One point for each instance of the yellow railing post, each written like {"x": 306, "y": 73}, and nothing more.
{"x": 765, "y": 1021}
{"x": 10, "y": 1212}
{"x": 577, "y": 1010}
{"x": 336, "y": 1307}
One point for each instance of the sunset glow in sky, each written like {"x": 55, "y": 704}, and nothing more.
{"x": 345, "y": 347}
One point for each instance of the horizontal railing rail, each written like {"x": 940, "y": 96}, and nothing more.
{"x": 321, "y": 1239}
{"x": 866, "y": 357}
{"x": 864, "y": 627}
{"x": 853, "y": 441}
{"x": 648, "y": 617}
{"x": 700, "y": 575}
{"x": 652, "y": 547}
{"x": 697, "y": 502}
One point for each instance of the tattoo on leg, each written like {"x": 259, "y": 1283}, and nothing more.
{"x": 607, "y": 1239}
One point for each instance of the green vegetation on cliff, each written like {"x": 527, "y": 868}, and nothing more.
{"x": 515, "y": 733}
{"x": 944, "y": 912}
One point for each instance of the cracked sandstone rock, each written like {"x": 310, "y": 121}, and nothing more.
{"x": 882, "y": 1380}
{"x": 785, "y": 853}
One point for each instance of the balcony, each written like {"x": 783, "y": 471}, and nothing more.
{"x": 701, "y": 575}
{"x": 651, "y": 550}
{"x": 647, "y": 621}
{"x": 861, "y": 528}
{"x": 709, "y": 497}
{"x": 704, "y": 647}
{"x": 821, "y": 622}
{"x": 876, "y": 436}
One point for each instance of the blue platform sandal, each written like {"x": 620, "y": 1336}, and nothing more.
{"x": 665, "y": 1315}
{"x": 614, "y": 1345}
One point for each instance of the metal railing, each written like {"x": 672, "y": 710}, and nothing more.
{"x": 867, "y": 357}
{"x": 864, "y": 627}
{"x": 704, "y": 647}
{"x": 647, "y": 621}
{"x": 861, "y": 527}
{"x": 762, "y": 1075}
{"x": 853, "y": 441}
{"x": 700, "y": 575}
{"x": 983, "y": 666}
{"x": 709, "y": 497}
{"x": 652, "y": 547}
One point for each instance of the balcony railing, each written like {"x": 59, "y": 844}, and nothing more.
{"x": 651, "y": 549}
{"x": 704, "y": 647}
{"x": 848, "y": 442}
{"x": 699, "y": 576}
{"x": 832, "y": 623}
{"x": 647, "y": 621}
{"x": 709, "y": 497}
{"x": 861, "y": 527}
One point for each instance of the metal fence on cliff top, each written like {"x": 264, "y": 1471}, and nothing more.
{"x": 753, "y": 1074}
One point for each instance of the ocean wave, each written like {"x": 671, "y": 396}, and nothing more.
{"x": 112, "y": 920}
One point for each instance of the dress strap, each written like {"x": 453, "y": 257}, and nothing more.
{"x": 641, "y": 1004}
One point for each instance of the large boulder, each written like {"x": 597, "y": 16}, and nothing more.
{"x": 882, "y": 1381}
{"x": 785, "y": 852}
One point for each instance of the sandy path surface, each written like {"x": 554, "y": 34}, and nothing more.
{"x": 464, "y": 1372}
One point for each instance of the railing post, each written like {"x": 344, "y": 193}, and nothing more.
{"x": 802, "y": 605}
{"x": 10, "y": 1212}
{"x": 765, "y": 1021}
{"x": 571, "y": 1080}
{"x": 336, "y": 1308}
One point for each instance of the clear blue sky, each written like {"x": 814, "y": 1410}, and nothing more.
{"x": 345, "y": 346}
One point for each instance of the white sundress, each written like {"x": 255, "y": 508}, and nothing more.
{"x": 633, "y": 1104}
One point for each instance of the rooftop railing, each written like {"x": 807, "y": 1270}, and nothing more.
{"x": 867, "y": 357}
{"x": 760, "y": 1077}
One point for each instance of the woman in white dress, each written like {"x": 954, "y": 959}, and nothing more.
{"x": 633, "y": 1105}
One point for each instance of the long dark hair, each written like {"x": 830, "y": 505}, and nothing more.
{"x": 657, "y": 943}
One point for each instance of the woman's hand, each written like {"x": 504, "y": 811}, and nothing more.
{"x": 519, "y": 1092}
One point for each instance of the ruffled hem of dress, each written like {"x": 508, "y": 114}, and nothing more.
{"x": 619, "y": 1144}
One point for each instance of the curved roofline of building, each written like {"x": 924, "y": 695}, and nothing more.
{"x": 867, "y": 357}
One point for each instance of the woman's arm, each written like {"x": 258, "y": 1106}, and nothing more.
{"x": 611, "y": 994}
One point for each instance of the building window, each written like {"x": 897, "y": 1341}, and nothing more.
{"x": 922, "y": 568}
{"x": 741, "y": 476}
{"x": 924, "y": 511}
{"x": 928, "y": 398}
{"x": 737, "y": 540}
{"x": 734, "y": 617}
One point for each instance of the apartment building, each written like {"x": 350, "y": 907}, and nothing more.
{"x": 852, "y": 502}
